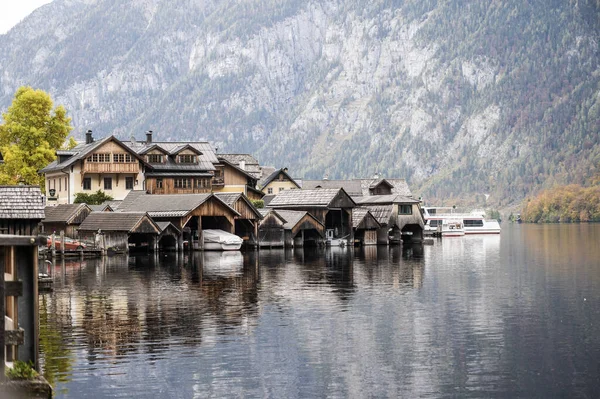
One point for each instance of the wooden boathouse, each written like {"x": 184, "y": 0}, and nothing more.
{"x": 189, "y": 213}
{"x": 365, "y": 226}
{"x": 400, "y": 217}
{"x": 246, "y": 224}
{"x": 21, "y": 210}
{"x": 121, "y": 231}
{"x": 332, "y": 207}
{"x": 65, "y": 217}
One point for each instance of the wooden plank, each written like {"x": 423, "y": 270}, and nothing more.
{"x": 13, "y": 288}
{"x": 13, "y": 240}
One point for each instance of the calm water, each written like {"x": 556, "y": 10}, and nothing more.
{"x": 515, "y": 315}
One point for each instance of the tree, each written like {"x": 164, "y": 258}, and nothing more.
{"x": 92, "y": 199}
{"x": 30, "y": 135}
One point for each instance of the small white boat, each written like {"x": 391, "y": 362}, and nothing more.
{"x": 220, "y": 240}
{"x": 452, "y": 228}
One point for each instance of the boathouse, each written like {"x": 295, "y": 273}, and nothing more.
{"x": 246, "y": 223}
{"x": 190, "y": 213}
{"x": 271, "y": 233}
{"x": 21, "y": 210}
{"x": 400, "y": 217}
{"x": 302, "y": 229}
{"x": 65, "y": 217}
{"x": 121, "y": 231}
{"x": 365, "y": 226}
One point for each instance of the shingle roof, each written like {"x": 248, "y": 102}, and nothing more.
{"x": 266, "y": 211}
{"x": 399, "y": 186}
{"x": 293, "y": 217}
{"x": 229, "y": 198}
{"x": 358, "y": 214}
{"x": 112, "y": 221}
{"x": 172, "y": 147}
{"x": 320, "y": 197}
{"x": 384, "y": 199}
{"x": 265, "y": 181}
{"x": 245, "y": 162}
{"x": 164, "y": 225}
{"x": 101, "y": 208}
{"x": 63, "y": 212}
{"x": 352, "y": 187}
{"x": 174, "y": 205}
{"x": 382, "y": 213}
{"x": 21, "y": 202}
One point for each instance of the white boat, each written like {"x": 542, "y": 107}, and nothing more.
{"x": 220, "y": 240}
{"x": 473, "y": 222}
{"x": 452, "y": 228}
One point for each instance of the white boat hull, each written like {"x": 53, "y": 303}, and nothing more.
{"x": 219, "y": 240}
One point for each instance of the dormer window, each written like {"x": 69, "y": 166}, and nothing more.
{"x": 186, "y": 158}
{"x": 155, "y": 158}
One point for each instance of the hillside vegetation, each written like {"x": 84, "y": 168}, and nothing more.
{"x": 484, "y": 101}
{"x": 571, "y": 203}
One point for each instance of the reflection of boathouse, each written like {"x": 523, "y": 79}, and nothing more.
{"x": 331, "y": 207}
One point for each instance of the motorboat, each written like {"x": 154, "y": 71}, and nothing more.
{"x": 220, "y": 240}
{"x": 473, "y": 222}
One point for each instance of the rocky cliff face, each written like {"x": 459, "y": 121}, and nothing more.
{"x": 462, "y": 98}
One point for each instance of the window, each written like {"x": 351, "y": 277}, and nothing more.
{"x": 473, "y": 223}
{"x": 159, "y": 183}
{"x": 281, "y": 189}
{"x": 186, "y": 158}
{"x": 99, "y": 158}
{"x": 434, "y": 223}
{"x": 128, "y": 183}
{"x": 183, "y": 183}
{"x": 405, "y": 209}
{"x": 87, "y": 183}
{"x": 202, "y": 183}
{"x": 155, "y": 158}
{"x": 108, "y": 183}
{"x": 270, "y": 190}
{"x": 123, "y": 158}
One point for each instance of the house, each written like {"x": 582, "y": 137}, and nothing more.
{"x": 230, "y": 177}
{"x": 278, "y": 181}
{"x": 65, "y": 217}
{"x": 246, "y": 223}
{"x": 107, "y": 164}
{"x": 400, "y": 217}
{"x": 21, "y": 210}
{"x": 176, "y": 167}
{"x": 189, "y": 213}
{"x": 365, "y": 226}
{"x": 331, "y": 207}
{"x": 19, "y": 301}
{"x": 122, "y": 231}
{"x": 245, "y": 162}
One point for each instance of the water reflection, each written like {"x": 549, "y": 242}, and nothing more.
{"x": 476, "y": 316}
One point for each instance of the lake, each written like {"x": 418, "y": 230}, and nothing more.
{"x": 510, "y": 315}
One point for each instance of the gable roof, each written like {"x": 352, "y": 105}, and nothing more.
{"x": 292, "y": 218}
{"x": 352, "y": 187}
{"x": 166, "y": 205}
{"x": 381, "y": 213}
{"x": 360, "y": 214}
{"x": 81, "y": 151}
{"x": 172, "y": 147}
{"x": 148, "y": 148}
{"x": 104, "y": 207}
{"x": 231, "y": 198}
{"x": 186, "y": 146}
{"x": 250, "y": 164}
{"x": 116, "y": 221}
{"x": 268, "y": 211}
{"x": 21, "y": 202}
{"x": 64, "y": 213}
{"x": 265, "y": 182}
{"x": 399, "y": 186}
{"x": 360, "y": 187}
{"x": 319, "y": 198}
{"x": 242, "y": 171}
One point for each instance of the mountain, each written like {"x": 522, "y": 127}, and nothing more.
{"x": 465, "y": 99}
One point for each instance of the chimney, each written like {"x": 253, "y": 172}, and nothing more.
{"x": 149, "y": 137}
{"x": 242, "y": 165}
{"x": 88, "y": 137}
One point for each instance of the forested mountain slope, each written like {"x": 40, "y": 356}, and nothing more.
{"x": 463, "y": 98}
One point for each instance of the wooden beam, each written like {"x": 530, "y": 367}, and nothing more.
{"x": 13, "y": 240}
{"x": 13, "y": 288}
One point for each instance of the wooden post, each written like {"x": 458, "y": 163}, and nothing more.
{"x": 62, "y": 243}
{"x": 2, "y": 313}
{"x": 53, "y": 246}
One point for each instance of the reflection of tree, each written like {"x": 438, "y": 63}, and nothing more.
{"x": 57, "y": 358}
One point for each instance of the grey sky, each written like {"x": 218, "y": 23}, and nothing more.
{"x": 13, "y": 11}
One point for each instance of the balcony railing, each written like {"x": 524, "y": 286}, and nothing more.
{"x": 109, "y": 167}
{"x": 218, "y": 181}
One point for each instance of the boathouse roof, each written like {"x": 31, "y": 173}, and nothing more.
{"x": 381, "y": 213}
{"x": 360, "y": 187}
{"x": 292, "y": 218}
{"x": 240, "y": 203}
{"x": 268, "y": 211}
{"x": 318, "y": 198}
{"x": 21, "y": 202}
{"x": 385, "y": 199}
{"x": 119, "y": 221}
{"x": 362, "y": 218}
{"x": 104, "y": 207}
{"x": 166, "y": 205}
{"x": 66, "y": 213}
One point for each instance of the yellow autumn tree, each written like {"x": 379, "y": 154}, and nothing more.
{"x": 31, "y": 132}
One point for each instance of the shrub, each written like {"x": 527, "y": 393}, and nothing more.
{"x": 21, "y": 371}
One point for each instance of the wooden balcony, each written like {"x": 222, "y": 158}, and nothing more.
{"x": 218, "y": 181}
{"x": 179, "y": 190}
{"x": 109, "y": 167}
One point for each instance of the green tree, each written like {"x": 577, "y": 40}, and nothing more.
{"x": 92, "y": 199}
{"x": 30, "y": 135}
